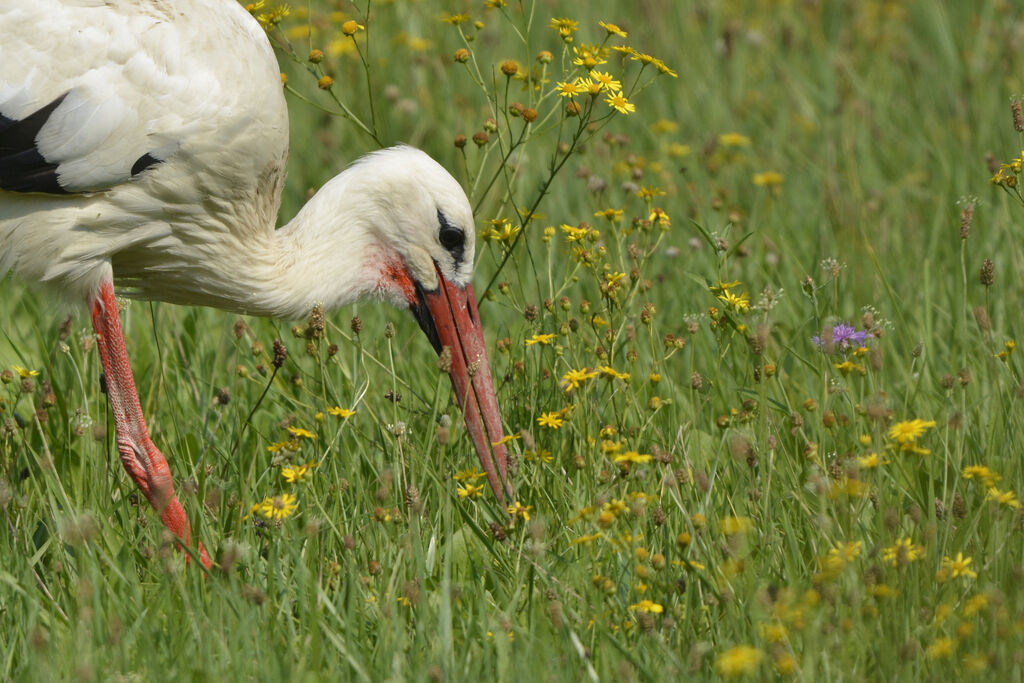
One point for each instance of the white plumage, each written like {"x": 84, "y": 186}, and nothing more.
{"x": 144, "y": 142}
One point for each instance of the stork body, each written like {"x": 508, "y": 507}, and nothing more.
{"x": 143, "y": 143}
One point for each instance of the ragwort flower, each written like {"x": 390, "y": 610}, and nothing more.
{"x": 277, "y": 507}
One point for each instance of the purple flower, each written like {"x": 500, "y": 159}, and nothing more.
{"x": 840, "y": 337}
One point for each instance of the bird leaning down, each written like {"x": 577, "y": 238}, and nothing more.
{"x": 143, "y": 145}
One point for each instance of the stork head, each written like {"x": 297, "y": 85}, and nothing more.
{"x": 423, "y": 221}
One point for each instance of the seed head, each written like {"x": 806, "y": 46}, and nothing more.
{"x": 389, "y": 330}
{"x": 509, "y": 68}
{"x": 461, "y": 55}
{"x": 316, "y": 324}
{"x": 966, "y": 218}
{"x": 988, "y": 272}
{"x": 280, "y": 353}
{"x": 444, "y": 360}
{"x": 1018, "y": 116}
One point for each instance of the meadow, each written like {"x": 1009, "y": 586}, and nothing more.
{"x": 747, "y": 274}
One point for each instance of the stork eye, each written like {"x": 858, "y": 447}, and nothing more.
{"x": 451, "y": 238}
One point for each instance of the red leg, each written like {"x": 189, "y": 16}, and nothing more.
{"x": 143, "y": 461}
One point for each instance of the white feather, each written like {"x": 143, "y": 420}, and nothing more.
{"x": 198, "y": 87}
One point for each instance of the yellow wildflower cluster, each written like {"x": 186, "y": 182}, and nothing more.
{"x": 906, "y": 433}
{"x": 1007, "y": 175}
{"x": 903, "y": 552}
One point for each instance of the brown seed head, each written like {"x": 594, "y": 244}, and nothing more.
{"x": 444, "y": 360}
{"x": 280, "y": 353}
{"x": 966, "y": 218}
{"x": 988, "y": 272}
{"x": 1018, "y": 116}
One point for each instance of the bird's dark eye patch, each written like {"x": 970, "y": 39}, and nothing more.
{"x": 451, "y": 237}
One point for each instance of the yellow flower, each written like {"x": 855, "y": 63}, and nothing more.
{"x": 506, "y": 439}
{"x": 517, "y": 509}
{"x": 646, "y": 192}
{"x": 846, "y": 367}
{"x": 619, "y": 103}
{"x": 540, "y": 339}
{"x": 648, "y": 606}
{"x": 606, "y": 80}
{"x": 984, "y": 474}
{"x": 470, "y": 491}
{"x": 565, "y": 27}
{"x": 296, "y": 473}
{"x": 633, "y": 457}
{"x": 869, "y": 461}
{"x": 1008, "y": 498}
{"x": 940, "y": 649}
{"x": 773, "y": 633}
{"x": 610, "y": 214}
{"x": 664, "y": 69}
{"x": 341, "y": 412}
{"x": 735, "y": 525}
{"x": 659, "y": 216}
{"x": 724, "y": 286}
{"x": 608, "y": 446}
{"x": 975, "y": 604}
{"x": 569, "y": 88}
{"x": 733, "y": 140}
{"x": 24, "y": 373}
{"x": 277, "y": 507}
{"x": 587, "y": 538}
{"x": 572, "y": 379}
{"x": 542, "y": 454}
{"x": 609, "y": 372}
{"x": 472, "y": 474}
{"x": 300, "y": 433}
{"x": 553, "y": 420}
{"x": 589, "y": 56}
{"x": 960, "y": 566}
{"x": 678, "y": 149}
{"x": 289, "y": 445}
{"x": 768, "y": 179}
{"x": 612, "y": 29}
{"x": 351, "y": 27}
{"x": 615, "y": 507}
{"x": 741, "y": 660}
{"x": 455, "y": 19}
{"x": 904, "y": 552}
{"x": 739, "y": 303}
{"x": 908, "y": 431}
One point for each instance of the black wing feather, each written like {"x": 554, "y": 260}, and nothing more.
{"x": 22, "y": 167}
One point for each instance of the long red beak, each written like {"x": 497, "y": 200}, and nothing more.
{"x": 450, "y": 319}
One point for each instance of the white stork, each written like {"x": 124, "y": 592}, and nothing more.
{"x": 143, "y": 144}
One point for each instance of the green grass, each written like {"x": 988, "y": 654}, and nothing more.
{"x": 756, "y": 524}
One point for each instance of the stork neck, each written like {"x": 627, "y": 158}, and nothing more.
{"x": 324, "y": 257}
